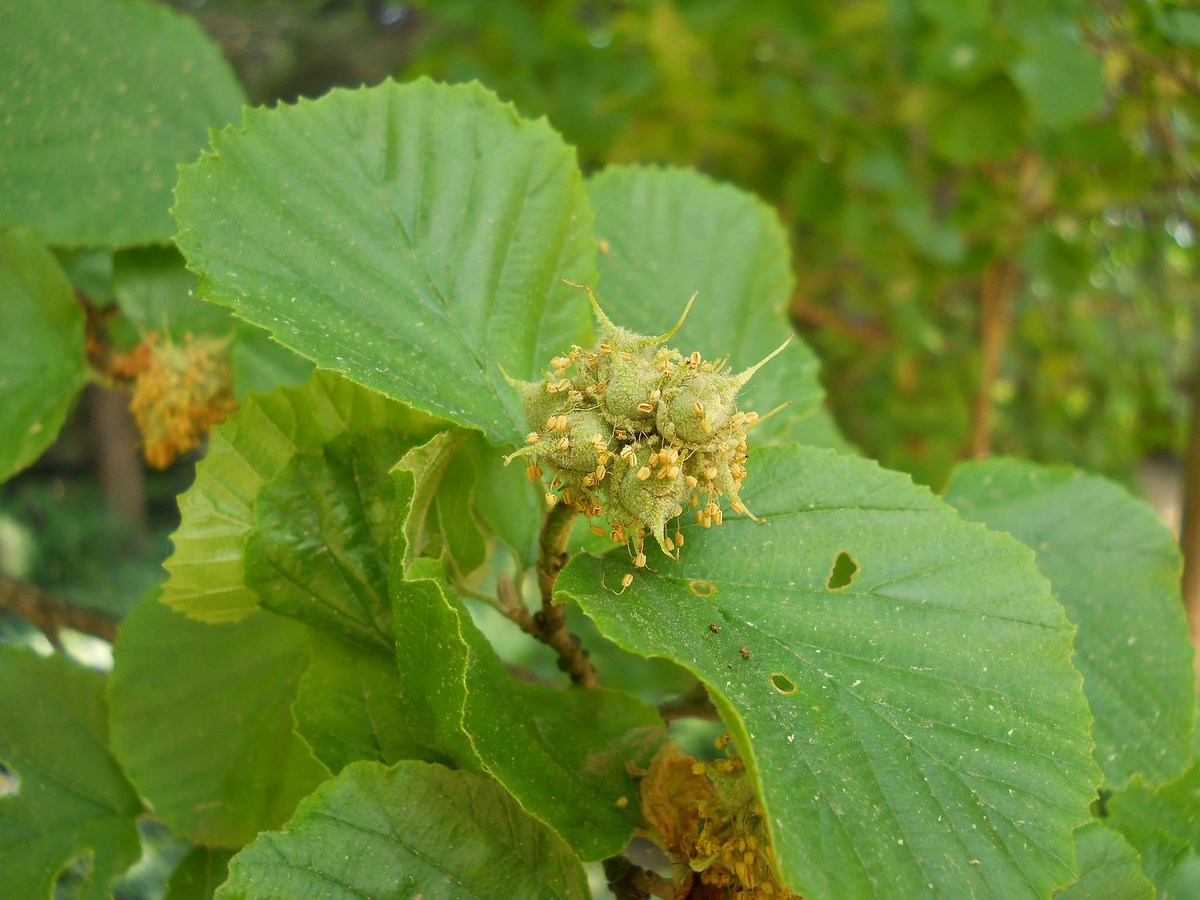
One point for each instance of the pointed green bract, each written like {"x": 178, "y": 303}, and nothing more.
{"x": 918, "y": 728}
{"x": 201, "y": 721}
{"x": 667, "y": 233}
{"x": 1116, "y": 568}
{"x": 42, "y": 366}
{"x": 71, "y": 799}
{"x": 102, "y": 100}
{"x": 412, "y": 237}
{"x": 207, "y": 569}
{"x": 413, "y": 830}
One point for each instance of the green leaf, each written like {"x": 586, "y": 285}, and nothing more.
{"x": 201, "y": 721}
{"x": 562, "y": 754}
{"x": 1163, "y": 825}
{"x": 1109, "y": 869}
{"x": 42, "y": 364}
{"x": 156, "y": 293}
{"x": 1062, "y": 79}
{"x": 72, "y": 799}
{"x": 508, "y": 505}
{"x": 441, "y": 508}
{"x": 918, "y": 729}
{"x": 318, "y": 551}
{"x": 102, "y": 100}
{"x": 412, "y": 237}
{"x": 207, "y": 578}
{"x": 350, "y": 706}
{"x": 199, "y": 874}
{"x": 1115, "y": 567}
{"x": 413, "y": 830}
{"x": 667, "y": 233}
{"x": 984, "y": 123}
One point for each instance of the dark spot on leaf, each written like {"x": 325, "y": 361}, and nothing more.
{"x": 714, "y": 628}
{"x": 703, "y": 589}
{"x": 843, "y": 572}
{"x": 745, "y": 653}
{"x": 783, "y": 684}
{"x": 10, "y": 782}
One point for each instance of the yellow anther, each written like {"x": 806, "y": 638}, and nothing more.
{"x": 643, "y": 473}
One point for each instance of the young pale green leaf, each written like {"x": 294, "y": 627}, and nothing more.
{"x": 207, "y": 569}
{"x": 1163, "y": 825}
{"x": 318, "y": 550}
{"x": 102, "y": 100}
{"x": 201, "y": 721}
{"x": 1109, "y": 869}
{"x": 410, "y": 236}
{"x": 1115, "y": 567}
{"x": 898, "y": 681}
{"x": 414, "y": 830}
{"x": 349, "y": 706}
{"x": 62, "y": 794}
{"x": 668, "y": 233}
{"x": 199, "y": 874}
{"x": 42, "y": 365}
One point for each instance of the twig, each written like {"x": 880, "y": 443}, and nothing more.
{"x": 694, "y": 704}
{"x": 50, "y": 613}
{"x": 1189, "y": 529}
{"x": 998, "y": 287}
{"x": 549, "y": 625}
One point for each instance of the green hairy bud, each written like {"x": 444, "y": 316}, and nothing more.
{"x": 639, "y": 433}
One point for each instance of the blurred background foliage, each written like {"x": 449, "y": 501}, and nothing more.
{"x": 992, "y": 207}
{"x": 991, "y": 204}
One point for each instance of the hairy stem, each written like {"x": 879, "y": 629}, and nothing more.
{"x": 549, "y": 625}
{"x": 49, "y": 613}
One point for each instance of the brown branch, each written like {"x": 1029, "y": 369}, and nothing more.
{"x": 50, "y": 613}
{"x": 805, "y": 312}
{"x": 549, "y": 625}
{"x": 694, "y": 704}
{"x": 998, "y": 287}
{"x": 1189, "y": 530}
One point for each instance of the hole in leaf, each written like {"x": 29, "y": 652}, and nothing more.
{"x": 783, "y": 684}
{"x": 73, "y": 875}
{"x": 843, "y": 571}
{"x": 703, "y": 589}
{"x": 10, "y": 782}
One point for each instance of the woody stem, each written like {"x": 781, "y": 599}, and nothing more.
{"x": 549, "y": 625}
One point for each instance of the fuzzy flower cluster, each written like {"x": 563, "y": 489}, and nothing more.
{"x": 706, "y": 816}
{"x": 638, "y": 432}
{"x": 179, "y": 390}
